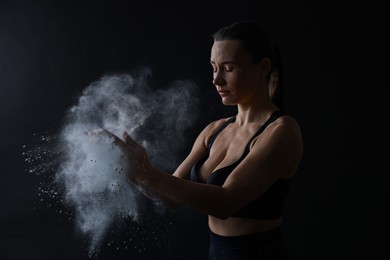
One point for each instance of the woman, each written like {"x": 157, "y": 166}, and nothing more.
{"x": 239, "y": 169}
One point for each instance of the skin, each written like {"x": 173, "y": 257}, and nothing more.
{"x": 274, "y": 154}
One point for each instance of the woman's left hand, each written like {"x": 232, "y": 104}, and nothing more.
{"x": 135, "y": 155}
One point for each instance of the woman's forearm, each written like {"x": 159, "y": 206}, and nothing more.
{"x": 210, "y": 199}
{"x": 157, "y": 197}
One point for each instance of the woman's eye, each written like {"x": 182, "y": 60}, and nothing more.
{"x": 228, "y": 69}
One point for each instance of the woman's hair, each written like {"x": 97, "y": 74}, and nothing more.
{"x": 256, "y": 40}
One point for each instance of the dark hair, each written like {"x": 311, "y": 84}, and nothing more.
{"x": 256, "y": 40}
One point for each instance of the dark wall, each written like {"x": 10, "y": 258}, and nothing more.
{"x": 337, "y": 83}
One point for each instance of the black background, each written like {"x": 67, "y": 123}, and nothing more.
{"x": 337, "y": 83}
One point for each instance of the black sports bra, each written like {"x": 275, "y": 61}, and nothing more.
{"x": 270, "y": 204}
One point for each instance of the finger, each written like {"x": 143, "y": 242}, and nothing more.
{"x": 127, "y": 138}
{"x": 109, "y": 134}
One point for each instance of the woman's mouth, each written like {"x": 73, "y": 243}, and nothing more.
{"x": 223, "y": 93}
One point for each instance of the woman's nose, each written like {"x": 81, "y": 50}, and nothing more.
{"x": 218, "y": 79}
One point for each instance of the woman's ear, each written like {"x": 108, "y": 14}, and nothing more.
{"x": 265, "y": 66}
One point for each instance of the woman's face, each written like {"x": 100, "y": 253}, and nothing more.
{"x": 235, "y": 75}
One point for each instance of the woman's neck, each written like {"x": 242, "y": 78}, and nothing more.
{"x": 255, "y": 113}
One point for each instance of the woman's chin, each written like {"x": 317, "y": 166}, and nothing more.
{"x": 228, "y": 102}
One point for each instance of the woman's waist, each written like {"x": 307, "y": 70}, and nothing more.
{"x": 241, "y": 226}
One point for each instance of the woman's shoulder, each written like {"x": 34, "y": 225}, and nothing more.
{"x": 287, "y": 120}
{"x": 215, "y": 125}
{"x": 286, "y": 126}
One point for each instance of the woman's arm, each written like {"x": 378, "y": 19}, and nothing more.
{"x": 183, "y": 170}
{"x": 277, "y": 150}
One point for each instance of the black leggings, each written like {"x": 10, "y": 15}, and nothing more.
{"x": 265, "y": 245}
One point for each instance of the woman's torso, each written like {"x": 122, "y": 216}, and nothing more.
{"x": 227, "y": 149}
